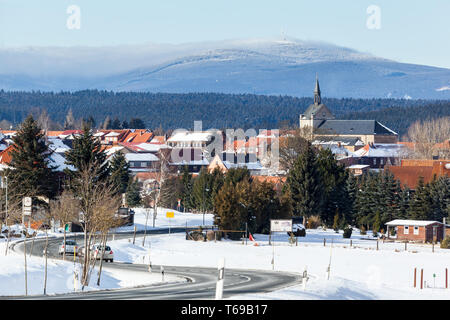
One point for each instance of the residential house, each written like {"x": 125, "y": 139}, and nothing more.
{"x": 142, "y": 162}
{"x": 417, "y": 230}
{"x": 227, "y": 161}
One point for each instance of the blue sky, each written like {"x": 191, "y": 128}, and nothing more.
{"x": 414, "y": 31}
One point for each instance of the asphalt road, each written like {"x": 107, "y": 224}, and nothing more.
{"x": 201, "y": 282}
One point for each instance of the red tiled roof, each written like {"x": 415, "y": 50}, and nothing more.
{"x": 409, "y": 175}
{"x": 5, "y": 155}
{"x": 68, "y": 132}
{"x": 54, "y": 133}
{"x": 139, "y": 136}
{"x": 132, "y": 146}
{"x": 420, "y": 162}
{"x": 158, "y": 140}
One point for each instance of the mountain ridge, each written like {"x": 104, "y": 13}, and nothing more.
{"x": 256, "y": 66}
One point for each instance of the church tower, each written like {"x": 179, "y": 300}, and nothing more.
{"x": 316, "y": 112}
{"x": 317, "y": 97}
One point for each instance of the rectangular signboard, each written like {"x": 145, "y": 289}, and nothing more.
{"x": 281, "y": 225}
{"x": 170, "y": 214}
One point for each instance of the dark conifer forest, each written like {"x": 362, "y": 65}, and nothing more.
{"x": 170, "y": 111}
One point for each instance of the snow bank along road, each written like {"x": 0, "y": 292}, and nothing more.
{"x": 200, "y": 284}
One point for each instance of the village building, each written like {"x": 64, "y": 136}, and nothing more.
{"x": 411, "y": 170}
{"x": 142, "y": 162}
{"x": 417, "y": 230}
{"x": 321, "y": 122}
{"x": 227, "y": 161}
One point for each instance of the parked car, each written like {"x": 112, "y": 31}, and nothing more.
{"x": 69, "y": 247}
{"x": 96, "y": 251}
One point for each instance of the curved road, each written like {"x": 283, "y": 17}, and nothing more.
{"x": 201, "y": 282}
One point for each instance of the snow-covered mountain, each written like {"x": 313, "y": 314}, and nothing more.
{"x": 260, "y": 66}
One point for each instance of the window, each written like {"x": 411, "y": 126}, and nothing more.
{"x": 381, "y": 161}
{"x": 374, "y": 161}
{"x": 143, "y": 164}
{"x": 416, "y": 230}
{"x": 131, "y": 164}
{"x": 406, "y": 230}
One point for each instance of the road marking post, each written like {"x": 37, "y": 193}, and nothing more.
{"x": 304, "y": 278}
{"x": 421, "y": 278}
{"x": 415, "y": 274}
{"x": 219, "y": 286}
{"x": 162, "y": 273}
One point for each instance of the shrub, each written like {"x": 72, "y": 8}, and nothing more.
{"x": 363, "y": 231}
{"x": 210, "y": 235}
{"x": 348, "y": 232}
{"x": 445, "y": 244}
{"x": 313, "y": 222}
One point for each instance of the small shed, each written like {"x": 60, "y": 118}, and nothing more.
{"x": 417, "y": 230}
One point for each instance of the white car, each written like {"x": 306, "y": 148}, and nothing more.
{"x": 96, "y": 251}
{"x": 69, "y": 247}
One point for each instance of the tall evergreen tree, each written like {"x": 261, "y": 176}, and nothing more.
{"x": 420, "y": 207}
{"x": 31, "y": 172}
{"x": 120, "y": 172}
{"x": 133, "y": 195}
{"x": 304, "y": 184}
{"x": 86, "y": 151}
{"x": 333, "y": 178}
{"x": 440, "y": 198}
{"x": 404, "y": 198}
{"x": 186, "y": 198}
{"x": 115, "y": 125}
{"x": 202, "y": 190}
{"x": 137, "y": 123}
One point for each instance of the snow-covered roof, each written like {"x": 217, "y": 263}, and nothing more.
{"x": 57, "y": 145}
{"x": 381, "y": 150}
{"x": 113, "y": 150}
{"x": 203, "y": 162}
{"x": 400, "y": 222}
{"x": 152, "y": 147}
{"x": 141, "y": 157}
{"x": 113, "y": 134}
{"x": 358, "y": 166}
{"x": 248, "y": 165}
{"x": 186, "y": 136}
{"x": 99, "y": 134}
{"x": 58, "y": 160}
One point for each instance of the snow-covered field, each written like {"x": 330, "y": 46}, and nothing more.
{"x": 357, "y": 272}
{"x": 61, "y": 274}
{"x": 180, "y": 219}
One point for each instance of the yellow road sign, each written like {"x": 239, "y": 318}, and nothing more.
{"x": 170, "y": 214}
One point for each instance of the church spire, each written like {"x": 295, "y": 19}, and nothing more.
{"x": 317, "y": 98}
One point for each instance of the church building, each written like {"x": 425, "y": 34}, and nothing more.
{"x": 322, "y": 124}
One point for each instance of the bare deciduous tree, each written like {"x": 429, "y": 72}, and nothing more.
{"x": 66, "y": 209}
{"x": 427, "y": 135}
{"x": 98, "y": 204}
